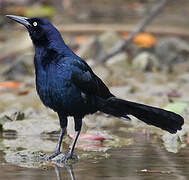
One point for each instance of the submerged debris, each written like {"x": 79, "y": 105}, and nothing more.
{"x": 25, "y": 158}
{"x": 154, "y": 171}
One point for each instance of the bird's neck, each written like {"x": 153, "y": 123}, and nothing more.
{"x": 56, "y": 45}
{"x": 48, "y": 52}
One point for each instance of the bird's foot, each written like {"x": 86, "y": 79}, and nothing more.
{"x": 66, "y": 157}
{"x": 56, "y": 153}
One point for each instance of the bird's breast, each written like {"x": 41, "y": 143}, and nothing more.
{"x": 57, "y": 91}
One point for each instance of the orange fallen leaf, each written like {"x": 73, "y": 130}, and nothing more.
{"x": 80, "y": 39}
{"x": 144, "y": 40}
{"x": 124, "y": 35}
{"x": 10, "y": 84}
{"x": 89, "y": 137}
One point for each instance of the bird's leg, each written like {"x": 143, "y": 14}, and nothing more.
{"x": 69, "y": 154}
{"x": 58, "y": 146}
{"x": 63, "y": 124}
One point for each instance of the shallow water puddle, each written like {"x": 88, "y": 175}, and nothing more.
{"x": 145, "y": 159}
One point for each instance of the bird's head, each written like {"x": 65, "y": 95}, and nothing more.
{"x": 41, "y": 30}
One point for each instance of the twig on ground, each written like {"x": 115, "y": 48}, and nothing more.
{"x": 153, "y": 171}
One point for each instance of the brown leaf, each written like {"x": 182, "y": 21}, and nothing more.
{"x": 24, "y": 92}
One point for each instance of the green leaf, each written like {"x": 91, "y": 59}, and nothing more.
{"x": 176, "y": 107}
{"x": 45, "y": 11}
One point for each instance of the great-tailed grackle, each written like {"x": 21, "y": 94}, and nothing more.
{"x": 66, "y": 84}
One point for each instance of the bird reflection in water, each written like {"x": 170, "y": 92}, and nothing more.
{"x": 69, "y": 169}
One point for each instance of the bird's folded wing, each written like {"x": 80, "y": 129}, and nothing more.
{"x": 85, "y": 79}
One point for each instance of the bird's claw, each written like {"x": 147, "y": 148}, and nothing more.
{"x": 66, "y": 157}
{"x": 49, "y": 158}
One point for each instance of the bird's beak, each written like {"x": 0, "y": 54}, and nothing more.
{"x": 20, "y": 19}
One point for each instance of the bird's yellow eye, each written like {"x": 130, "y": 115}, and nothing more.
{"x": 34, "y": 23}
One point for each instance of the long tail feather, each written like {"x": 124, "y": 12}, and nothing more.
{"x": 163, "y": 119}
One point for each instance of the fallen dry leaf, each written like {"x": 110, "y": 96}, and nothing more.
{"x": 10, "y": 84}
{"x": 124, "y": 35}
{"x": 144, "y": 40}
{"x": 24, "y": 92}
{"x": 80, "y": 39}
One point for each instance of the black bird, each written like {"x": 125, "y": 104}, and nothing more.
{"x": 66, "y": 84}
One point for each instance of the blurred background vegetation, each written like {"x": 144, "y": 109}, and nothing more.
{"x": 95, "y": 11}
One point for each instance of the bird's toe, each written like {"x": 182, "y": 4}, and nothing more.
{"x": 49, "y": 158}
{"x": 66, "y": 157}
